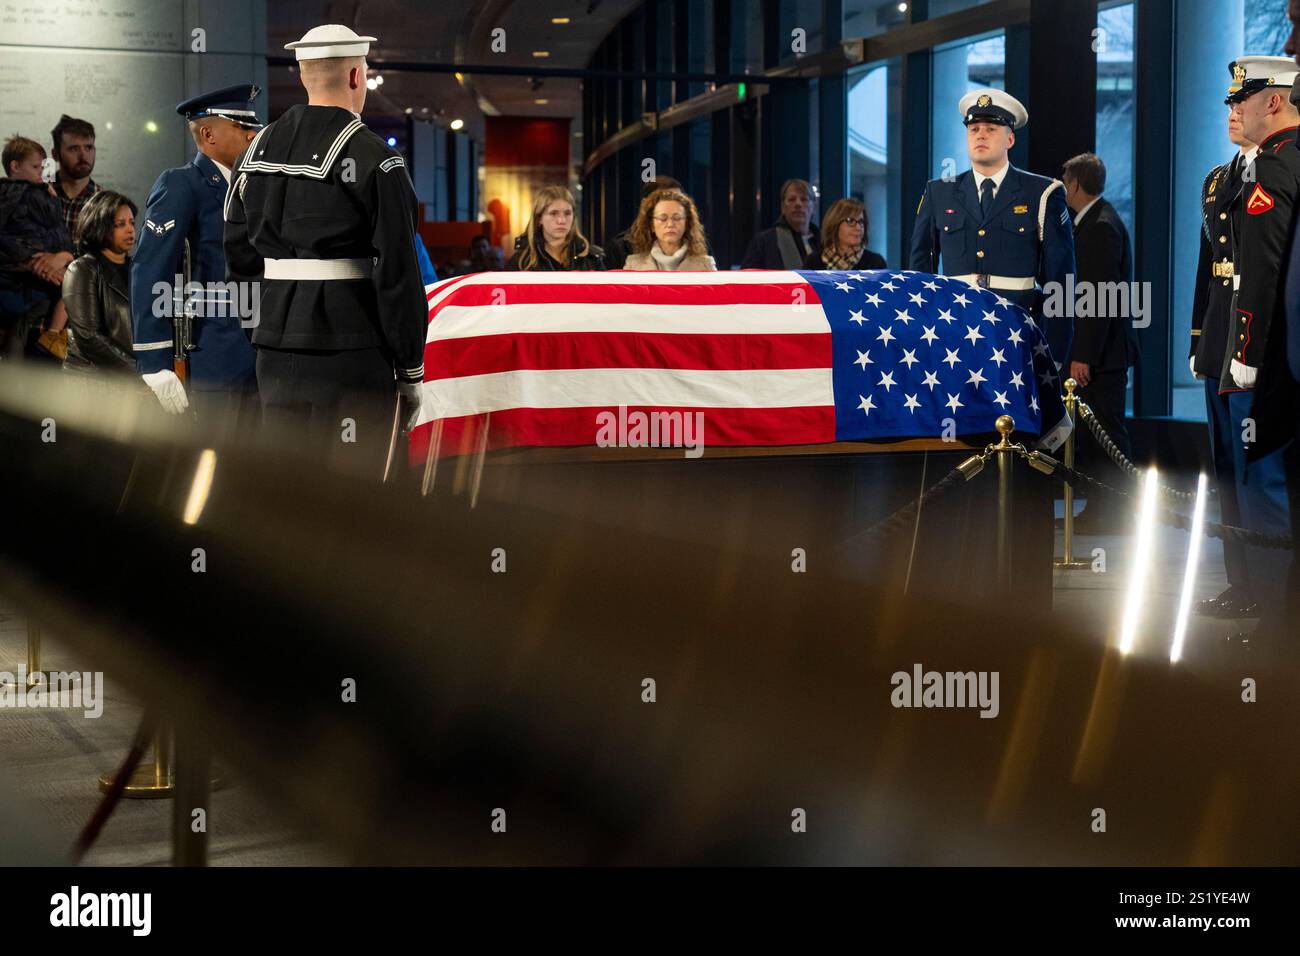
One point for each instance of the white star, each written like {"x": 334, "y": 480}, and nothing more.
{"x": 931, "y": 285}
{"x": 895, "y": 275}
{"x": 315, "y": 155}
{"x": 1015, "y": 337}
{"x": 1030, "y": 322}
{"x": 947, "y": 316}
{"x": 908, "y": 359}
{"x": 863, "y": 359}
{"x": 990, "y": 317}
{"x": 997, "y": 358}
{"x": 928, "y": 335}
{"x": 866, "y": 405}
{"x": 960, "y": 297}
{"x": 1033, "y": 403}
{"x": 885, "y": 336}
{"x": 1040, "y": 348}
{"x": 843, "y": 286}
{"x": 856, "y": 277}
{"x": 1017, "y": 381}
{"x": 976, "y": 378}
{"x": 911, "y": 404}
{"x": 887, "y": 380}
{"x": 954, "y": 402}
{"x": 1001, "y": 398}
{"x": 856, "y": 316}
{"x": 902, "y": 316}
{"x": 873, "y": 299}
{"x": 952, "y": 358}
{"x": 916, "y": 297}
{"x": 931, "y": 379}
{"x": 1047, "y": 378}
{"x": 1003, "y": 302}
{"x": 890, "y": 286}
{"x": 972, "y": 334}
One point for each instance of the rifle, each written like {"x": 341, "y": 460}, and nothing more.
{"x": 183, "y": 324}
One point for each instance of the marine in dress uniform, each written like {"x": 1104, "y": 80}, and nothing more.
{"x": 1288, "y": 413}
{"x": 1249, "y": 234}
{"x": 324, "y": 210}
{"x": 1006, "y": 230}
{"x": 1212, "y": 302}
{"x": 183, "y": 225}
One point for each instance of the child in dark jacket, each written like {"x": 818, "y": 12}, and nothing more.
{"x": 35, "y": 250}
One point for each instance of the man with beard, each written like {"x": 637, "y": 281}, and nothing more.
{"x": 74, "y": 151}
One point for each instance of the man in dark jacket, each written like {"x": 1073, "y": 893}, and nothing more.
{"x": 792, "y": 238}
{"x": 1104, "y": 346}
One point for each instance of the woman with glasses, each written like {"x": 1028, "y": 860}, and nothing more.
{"x": 553, "y": 242}
{"x": 667, "y": 236}
{"x": 845, "y": 234}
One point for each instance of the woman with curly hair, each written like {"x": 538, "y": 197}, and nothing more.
{"x": 667, "y": 235}
{"x": 553, "y": 242}
{"x": 845, "y": 234}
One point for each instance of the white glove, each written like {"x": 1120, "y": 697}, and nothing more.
{"x": 170, "y": 391}
{"x": 1191, "y": 363}
{"x": 1244, "y": 375}
{"x": 411, "y": 393}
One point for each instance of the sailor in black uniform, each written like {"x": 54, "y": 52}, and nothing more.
{"x": 324, "y": 211}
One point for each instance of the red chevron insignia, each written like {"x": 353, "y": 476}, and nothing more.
{"x": 1259, "y": 202}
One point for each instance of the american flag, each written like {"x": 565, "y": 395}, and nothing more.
{"x": 768, "y": 357}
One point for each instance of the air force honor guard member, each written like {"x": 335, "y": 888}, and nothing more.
{"x": 324, "y": 210}
{"x": 994, "y": 225}
{"x": 182, "y": 235}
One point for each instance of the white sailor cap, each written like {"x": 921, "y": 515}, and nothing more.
{"x": 1250, "y": 74}
{"x": 992, "y": 106}
{"x": 330, "y": 40}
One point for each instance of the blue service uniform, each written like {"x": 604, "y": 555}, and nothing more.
{"x": 186, "y": 205}
{"x": 1027, "y": 234}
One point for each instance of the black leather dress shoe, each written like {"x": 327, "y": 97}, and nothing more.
{"x": 1222, "y": 605}
{"x": 1239, "y": 609}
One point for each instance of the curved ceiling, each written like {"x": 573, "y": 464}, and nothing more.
{"x": 455, "y": 31}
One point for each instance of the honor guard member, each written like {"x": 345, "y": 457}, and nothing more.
{"x": 181, "y": 241}
{"x": 1254, "y": 242}
{"x": 324, "y": 210}
{"x": 996, "y": 226}
{"x": 1211, "y": 305}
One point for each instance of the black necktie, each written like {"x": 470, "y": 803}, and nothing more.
{"x": 986, "y": 197}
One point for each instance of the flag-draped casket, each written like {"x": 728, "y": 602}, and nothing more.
{"x": 759, "y": 358}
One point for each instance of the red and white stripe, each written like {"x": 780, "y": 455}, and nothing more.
{"x": 545, "y": 353}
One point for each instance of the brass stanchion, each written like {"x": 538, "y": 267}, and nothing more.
{"x": 158, "y": 777}
{"x": 1005, "y": 426}
{"x": 1066, "y": 561}
{"x": 154, "y": 779}
{"x": 36, "y": 676}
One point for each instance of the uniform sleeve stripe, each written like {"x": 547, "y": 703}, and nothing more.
{"x": 150, "y": 346}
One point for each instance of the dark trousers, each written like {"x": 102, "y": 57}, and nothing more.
{"x": 1252, "y": 494}
{"x": 338, "y": 404}
{"x": 1292, "y": 455}
{"x": 1105, "y": 395}
{"x": 1229, "y": 469}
